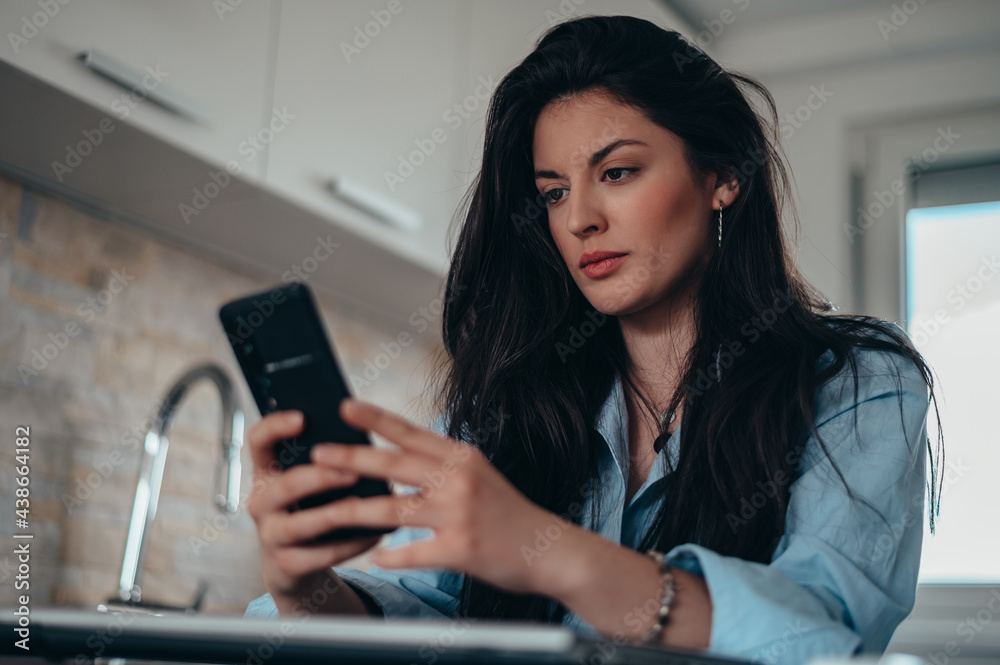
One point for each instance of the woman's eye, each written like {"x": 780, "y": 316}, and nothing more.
{"x": 548, "y": 195}
{"x": 619, "y": 171}
{"x": 618, "y": 174}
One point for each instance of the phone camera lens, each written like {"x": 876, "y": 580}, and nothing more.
{"x": 271, "y": 402}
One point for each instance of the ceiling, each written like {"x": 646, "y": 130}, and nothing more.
{"x": 697, "y": 12}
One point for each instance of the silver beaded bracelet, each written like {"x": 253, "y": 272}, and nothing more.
{"x": 668, "y": 597}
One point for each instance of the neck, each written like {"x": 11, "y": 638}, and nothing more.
{"x": 658, "y": 340}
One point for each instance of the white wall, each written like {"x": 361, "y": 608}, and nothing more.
{"x": 942, "y": 59}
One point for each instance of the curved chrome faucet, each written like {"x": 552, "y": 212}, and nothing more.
{"x": 154, "y": 456}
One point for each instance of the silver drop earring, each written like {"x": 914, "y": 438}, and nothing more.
{"x": 720, "y": 223}
{"x": 718, "y": 354}
{"x": 718, "y": 368}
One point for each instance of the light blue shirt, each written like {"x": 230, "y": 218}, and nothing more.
{"x": 840, "y": 579}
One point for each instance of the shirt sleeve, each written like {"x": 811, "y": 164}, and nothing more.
{"x": 416, "y": 592}
{"x": 842, "y": 577}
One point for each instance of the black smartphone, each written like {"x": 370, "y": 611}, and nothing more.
{"x": 288, "y": 362}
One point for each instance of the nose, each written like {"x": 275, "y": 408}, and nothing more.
{"x": 585, "y": 214}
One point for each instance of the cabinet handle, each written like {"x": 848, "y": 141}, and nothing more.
{"x": 375, "y": 204}
{"x": 137, "y": 82}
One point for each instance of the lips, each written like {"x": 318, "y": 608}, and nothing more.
{"x": 599, "y": 255}
{"x": 604, "y": 267}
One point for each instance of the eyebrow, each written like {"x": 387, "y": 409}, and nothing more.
{"x": 594, "y": 159}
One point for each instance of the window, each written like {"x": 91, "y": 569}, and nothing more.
{"x": 952, "y": 277}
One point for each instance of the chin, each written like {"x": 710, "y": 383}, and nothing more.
{"x": 606, "y": 301}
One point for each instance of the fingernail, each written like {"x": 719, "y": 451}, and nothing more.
{"x": 295, "y": 418}
{"x": 320, "y": 452}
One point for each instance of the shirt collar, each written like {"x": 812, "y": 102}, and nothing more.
{"x": 612, "y": 424}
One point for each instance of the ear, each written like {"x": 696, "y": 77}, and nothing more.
{"x": 727, "y": 187}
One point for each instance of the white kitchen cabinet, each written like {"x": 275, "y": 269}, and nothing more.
{"x": 390, "y": 94}
{"x": 216, "y": 54}
{"x": 372, "y": 87}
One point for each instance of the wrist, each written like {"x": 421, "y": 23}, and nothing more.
{"x": 560, "y": 561}
{"x": 662, "y": 615}
{"x": 325, "y": 592}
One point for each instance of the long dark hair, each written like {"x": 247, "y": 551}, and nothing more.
{"x": 518, "y": 382}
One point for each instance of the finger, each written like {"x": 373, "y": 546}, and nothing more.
{"x": 402, "y": 467}
{"x": 298, "y": 528}
{"x": 368, "y": 416}
{"x": 300, "y": 561}
{"x": 381, "y": 511}
{"x": 297, "y": 483}
{"x": 423, "y": 553}
{"x": 268, "y": 431}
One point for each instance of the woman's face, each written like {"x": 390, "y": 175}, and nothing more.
{"x": 615, "y": 181}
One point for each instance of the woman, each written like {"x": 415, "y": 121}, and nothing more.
{"x": 634, "y": 365}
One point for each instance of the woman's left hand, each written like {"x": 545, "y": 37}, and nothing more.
{"x": 480, "y": 520}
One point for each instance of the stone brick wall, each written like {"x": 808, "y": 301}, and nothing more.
{"x": 97, "y": 320}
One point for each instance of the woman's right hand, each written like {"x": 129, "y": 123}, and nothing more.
{"x": 291, "y": 570}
